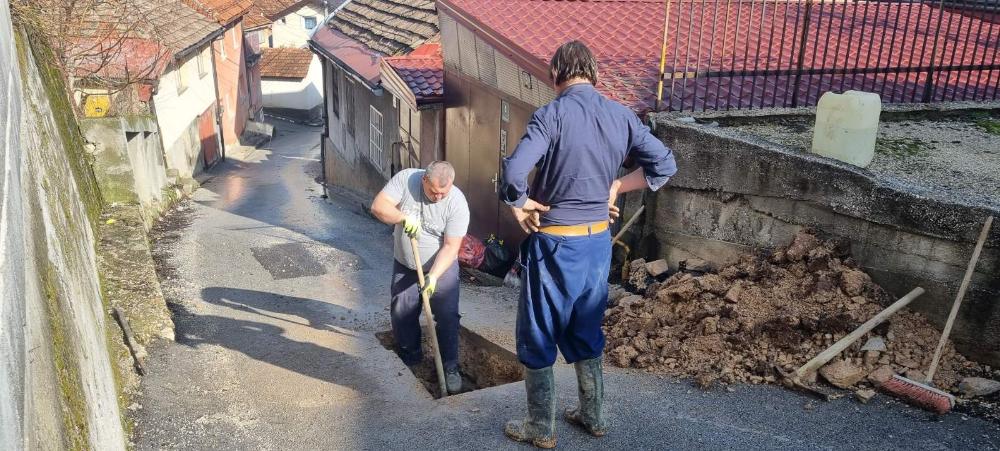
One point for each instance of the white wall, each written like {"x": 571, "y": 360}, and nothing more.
{"x": 177, "y": 112}
{"x": 289, "y": 31}
{"x": 302, "y": 94}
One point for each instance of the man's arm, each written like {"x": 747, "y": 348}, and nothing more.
{"x": 656, "y": 165}
{"x": 385, "y": 209}
{"x": 516, "y": 168}
{"x": 446, "y": 256}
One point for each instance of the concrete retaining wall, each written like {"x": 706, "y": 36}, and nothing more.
{"x": 733, "y": 195}
{"x": 128, "y": 162}
{"x": 57, "y": 384}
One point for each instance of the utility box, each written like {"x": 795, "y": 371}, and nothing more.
{"x": 846, "y": 126}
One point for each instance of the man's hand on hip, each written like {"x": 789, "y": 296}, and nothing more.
{"x": 529, "y": 217}
{"x": 613, "y": 211}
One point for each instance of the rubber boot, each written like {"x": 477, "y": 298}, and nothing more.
{"x": 539, "y": 428}
{"x": 589, "y": 414}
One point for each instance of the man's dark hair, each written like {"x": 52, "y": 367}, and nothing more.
{"x": 573, "y": 60}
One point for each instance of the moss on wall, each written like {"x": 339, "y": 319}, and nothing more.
{"x": 63, "y": 113}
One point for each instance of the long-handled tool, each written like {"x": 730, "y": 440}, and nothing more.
{"x": 616, "y": 240}
{"x": 795, "y": 379}
{"x": 430, "y": 318}
{"x": 924, "y": 394}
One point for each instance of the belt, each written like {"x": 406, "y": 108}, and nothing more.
{"x": 575, "y": 230}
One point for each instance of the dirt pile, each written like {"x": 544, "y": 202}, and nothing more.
{"x": 776, "y": 309}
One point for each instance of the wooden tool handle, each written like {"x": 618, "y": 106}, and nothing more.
{"x": 958, "y": 299}
{"x": 831, "y": 352}
{"x": 628, "y": 224}
{"x": 438, "y": 365}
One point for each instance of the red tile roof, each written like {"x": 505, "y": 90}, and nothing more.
{"x": 625, "y": 37}
{"x": 285, "y": 63}
{"x": 423, "y": 71}
{"x": 623, "y": 34}
{"x": 129, "y": 58}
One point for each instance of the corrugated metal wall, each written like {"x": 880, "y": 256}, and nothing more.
{"x": 473, "y": 57}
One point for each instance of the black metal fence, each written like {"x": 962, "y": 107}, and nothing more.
{"x": 724, "y": 54}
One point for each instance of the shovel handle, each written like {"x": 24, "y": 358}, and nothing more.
{"x": 958, "y": 299}
{"x": 831, "y": 352}
{"x": 438, "y": 365}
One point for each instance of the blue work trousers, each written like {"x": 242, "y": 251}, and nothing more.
{"x": 405, "y": 314}
{"x": 564, "y": 292}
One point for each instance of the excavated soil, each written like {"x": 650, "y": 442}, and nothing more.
{"x": 770, "y": 310}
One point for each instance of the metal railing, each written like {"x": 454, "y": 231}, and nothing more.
{"x": 725, "y": 54}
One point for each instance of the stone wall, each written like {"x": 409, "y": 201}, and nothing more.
{"x": 734, "y": 195}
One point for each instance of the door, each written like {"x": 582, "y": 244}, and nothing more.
{"x": 208, "y": 136}
{"x": 517, "y": 115}
{"x": 484, "y": 164}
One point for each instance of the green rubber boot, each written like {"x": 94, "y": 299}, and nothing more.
{"x": 539, "y": 428}
{"x": 589, "y": 414}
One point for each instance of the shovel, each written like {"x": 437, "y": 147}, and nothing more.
{"x": 430, "y": 318}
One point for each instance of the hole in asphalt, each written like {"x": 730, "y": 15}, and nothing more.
{"x": 482, "y": 363}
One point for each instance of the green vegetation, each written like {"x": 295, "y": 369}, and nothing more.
{"x": 902, "y": 147}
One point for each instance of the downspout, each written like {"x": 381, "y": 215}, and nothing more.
{"x": 326, "y": 129}
{"x": 218, "y": 100}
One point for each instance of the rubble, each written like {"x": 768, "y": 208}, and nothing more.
{"x": 864, "y": 395}
{"x": 776, "y": 309}
{"x": 978, "y": 386}
{"x": 842, "y": 374}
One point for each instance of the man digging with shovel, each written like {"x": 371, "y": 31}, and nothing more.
{"x": 424, "y": 204}
{"x": 578, "y": 142}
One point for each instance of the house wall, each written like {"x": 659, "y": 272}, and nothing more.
{"x": 178, "y": 111}
{"x": 304, "y": 95}
{"x": 234, "y": 97}
{"x": 254, "y": 82}
{"x": 346, "y": 149}
{"x": 481, "y": 83}
{"x": 290, "y": 31}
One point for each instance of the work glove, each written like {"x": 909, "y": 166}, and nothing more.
{"x": 430, "y": 284}
{"x": 411, "y": 225}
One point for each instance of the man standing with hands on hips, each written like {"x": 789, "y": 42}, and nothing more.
{"x": 578, "y": 142}
{"x": 426, "y": 205}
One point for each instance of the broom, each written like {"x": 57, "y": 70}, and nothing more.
{"x": 924, "y": 395}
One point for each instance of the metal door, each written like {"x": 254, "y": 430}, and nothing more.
{"x": 208, "y": 136}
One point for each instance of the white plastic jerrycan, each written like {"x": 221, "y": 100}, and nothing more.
{"x": 846, "y": 126}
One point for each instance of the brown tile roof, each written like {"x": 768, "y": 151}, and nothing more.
{"x": 255, "y": 18}
{"x": 176, "y": 25}
{"x": 222, "y": 11}
{"x": 391, "y": 27}
{"x": 285, "y": 63}
{"x": 422, "y": 71}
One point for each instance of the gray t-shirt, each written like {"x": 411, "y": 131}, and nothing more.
{"x": 448, "y": 217}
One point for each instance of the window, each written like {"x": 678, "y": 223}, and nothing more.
{"x": 182, "y": 77}
{"x": 334, "y": 91}
{"x": 309, "y": 22}
{"x": 375, "y": 137}
{"x": 203, "y": 62}
{"x": 350, "y": 110}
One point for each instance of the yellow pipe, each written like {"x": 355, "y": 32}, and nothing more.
{"x": 663, "y": 55}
